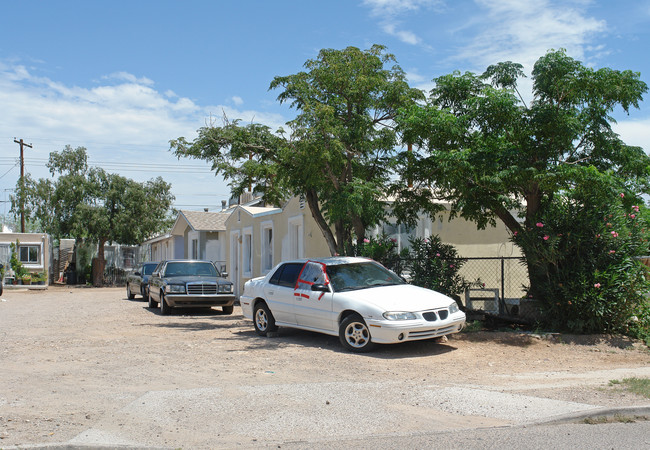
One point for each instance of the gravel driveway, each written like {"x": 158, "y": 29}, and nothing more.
{"x": 87, "y": 366}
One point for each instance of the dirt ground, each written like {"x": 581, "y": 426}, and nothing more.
{"x": 70, "y": 356}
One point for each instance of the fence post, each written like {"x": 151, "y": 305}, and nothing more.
{"x": 503, "y": 288}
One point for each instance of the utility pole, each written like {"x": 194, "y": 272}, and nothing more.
{"x": 22, "y": 175}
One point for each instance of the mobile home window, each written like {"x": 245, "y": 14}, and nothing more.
{"x": 28, "y": 254}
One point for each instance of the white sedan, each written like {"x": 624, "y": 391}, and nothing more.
{"x": 357, "y": 299}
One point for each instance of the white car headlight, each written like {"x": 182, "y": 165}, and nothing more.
{"x": 453, "y": 308}
{"x": 399, "y": 315}
{"x": 175, "y": 288}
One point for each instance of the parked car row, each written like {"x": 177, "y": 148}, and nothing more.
{"x": 181, "y": 283}
{"x": 356, "y": 299}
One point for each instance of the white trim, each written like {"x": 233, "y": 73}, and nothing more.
{"x": 248, "y": 252}
{"x": 267, "y": 250}
{"x": 235, "y": 266}
{"x": 296, "y": 238}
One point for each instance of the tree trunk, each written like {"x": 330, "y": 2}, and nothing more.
{"x": 314, "y": 207}
{"x": 98, "y": 265}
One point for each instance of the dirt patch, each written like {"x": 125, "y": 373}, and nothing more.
{"x": 73, "y": 356}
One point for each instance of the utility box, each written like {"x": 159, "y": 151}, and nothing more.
{"x": 485, "y": 299}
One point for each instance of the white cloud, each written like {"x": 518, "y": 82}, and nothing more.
{"x": 237, "y": 100}
{"x": 634, "y": 132}
{"x": 125, "y": 120}
{"x": 129, "y": 78}
{"x": 523, "y": 30}
{"x": 389, "y": 11}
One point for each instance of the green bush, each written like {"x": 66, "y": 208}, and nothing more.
{"x": 383, "y": 250}
{"x": 436, "y": 266}
{"x": 584, "y": 255}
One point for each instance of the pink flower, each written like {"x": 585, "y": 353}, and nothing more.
{"x": 451, "y": 266}
{"x": 614, "y": 233}
{"x": 611, "y": 252}
{"x": 438, "y": 255}
{"x": 598, "y": 235}
{"x": 632, "y": 216}
{"x": 539, "y": 224}
{"x": 622, "y": 195}
{"x": 597, "y": 285}
{"x": 635, "y": 208}
{"x": 516, "y": 233}
{"x": 366, "y": 241}
{"x": 393, "y": 240}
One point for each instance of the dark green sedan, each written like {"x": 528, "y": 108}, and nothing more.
{"x": 189, "y": 283}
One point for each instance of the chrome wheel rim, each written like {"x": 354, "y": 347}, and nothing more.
{"x": 357, "y": 335}
{"x": 261, "y": 320}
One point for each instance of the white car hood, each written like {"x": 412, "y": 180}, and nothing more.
{"x": 403, "y": 297}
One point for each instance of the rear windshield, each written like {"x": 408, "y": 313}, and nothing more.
{"x": 183, "y": 269}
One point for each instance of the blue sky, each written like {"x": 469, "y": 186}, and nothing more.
{"x": 122, "y": 78}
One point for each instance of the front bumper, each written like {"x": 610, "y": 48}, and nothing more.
{"x": 394, "y": 331}
{"x": 200, "y": 300}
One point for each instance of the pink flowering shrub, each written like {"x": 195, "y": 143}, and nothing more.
{"x": 585, "y": 264}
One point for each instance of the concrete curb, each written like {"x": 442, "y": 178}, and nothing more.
{"x": 604, "y": 414}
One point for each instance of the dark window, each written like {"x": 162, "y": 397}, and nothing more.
{"x": 147, "y": 269}
{"x": 29, "y": 254}
{"x": 286, "y": 275}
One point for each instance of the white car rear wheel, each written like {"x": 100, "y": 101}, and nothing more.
{"x": 263, "y": 319}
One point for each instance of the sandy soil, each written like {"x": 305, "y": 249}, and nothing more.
{"x": 70, "y": 356}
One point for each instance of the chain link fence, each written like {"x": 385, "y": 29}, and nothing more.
{"x": 497, "y": 287}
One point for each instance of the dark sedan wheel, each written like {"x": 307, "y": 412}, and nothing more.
{"x": 165, "y": 309}
{"x": 354, "y": 334}
{"x": 152, "y": 302}
{"x": 263, "y": 319}
{"x": 129, "y": 294}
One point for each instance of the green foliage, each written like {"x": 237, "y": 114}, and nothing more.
{"x": 638, "y": 386}
{"x": 383, "y": 250}
{"x": 556, "y": 161}
{"x": 90, "y": 204}
{"x": 339, "y": 153}
{"x": 15, "y": 263}
{"x": 435, "y": 265}
{"x": 584, "y": 255}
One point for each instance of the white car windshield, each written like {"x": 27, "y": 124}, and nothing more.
{"x": 348, "y": 277}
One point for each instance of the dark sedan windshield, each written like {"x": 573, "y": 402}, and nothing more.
{"x": 185, "y": 269}
{"x": 147, "y": 269}
{"x": 347, "y": 277}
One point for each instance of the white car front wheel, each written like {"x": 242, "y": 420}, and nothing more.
{"x": 354, "y": 334}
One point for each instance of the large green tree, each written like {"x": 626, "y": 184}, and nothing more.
{"x": 496, "y": 157}
{"x": 339, "y": 150}
{"x": 89, "y": 204}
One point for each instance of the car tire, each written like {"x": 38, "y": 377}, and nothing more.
{"x": 355, "y": 335}
{"x": 263, "y": 319}
{"x": 227, "y": 309}
{"x": 129, "y": 294}
{"x": 152, "y": 302}
{"x": 165, "y": 309}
